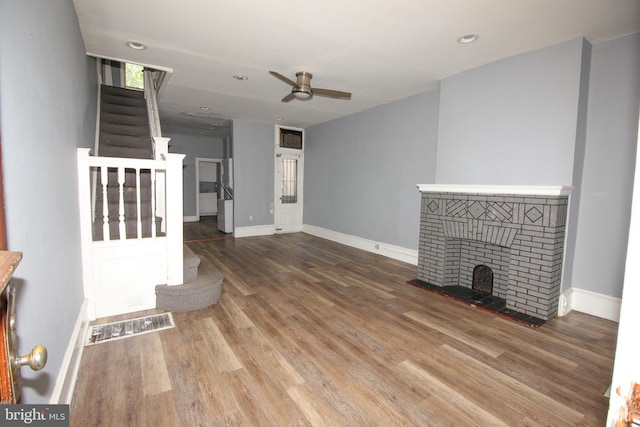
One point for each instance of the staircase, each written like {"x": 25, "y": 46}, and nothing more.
{"x": 124, "y": 133}
{"x": 125, "y": 138}
{"x": 124, "y": 124}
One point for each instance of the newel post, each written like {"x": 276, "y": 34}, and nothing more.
{"x": 160, "y": 149}
{"x": 174, "y": 219}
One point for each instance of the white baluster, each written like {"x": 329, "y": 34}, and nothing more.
{"x": 121, "y": 224}
{"x": 104, "y": 179}
{"x": 153, "y": 202}
{"x": 138, "y": 204}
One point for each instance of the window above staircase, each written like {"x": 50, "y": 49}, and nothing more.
{"x": 134, "y": 76}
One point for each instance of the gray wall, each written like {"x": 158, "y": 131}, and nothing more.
{"x": 512, "y": 121}
{"x": 578, "y": 167}
{"x": 609, "y": 162}
{"x": 47, "y": 110}
{"x": 253, "y": 170}
{"x": 193, "y": 146}
{"x": 361, "y": 171}
{"x": 564, "y": 115}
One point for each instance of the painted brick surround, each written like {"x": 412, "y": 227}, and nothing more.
{"x": 518, "y": 232}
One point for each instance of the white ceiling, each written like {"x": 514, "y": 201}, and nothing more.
{"x": 381, "y": 51}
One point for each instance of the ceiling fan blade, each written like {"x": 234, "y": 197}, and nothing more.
{"x": 282, "y": 78}
{"x": 288, "y": 98}
{"x": 328, "y": 93}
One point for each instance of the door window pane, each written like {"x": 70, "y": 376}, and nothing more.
{"x": 289, "y": 181}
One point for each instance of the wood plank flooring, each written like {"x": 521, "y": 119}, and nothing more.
{"x": 204, "y": 230}
{"x": 312, "y": 333}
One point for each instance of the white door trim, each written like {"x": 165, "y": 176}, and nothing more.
{"x": 198, "y": 161}
{"x": 278, "y": 152}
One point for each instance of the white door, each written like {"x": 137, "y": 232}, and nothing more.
{"x": 288, "y": 203}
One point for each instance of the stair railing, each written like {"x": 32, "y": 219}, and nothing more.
{"x": 160, "y": 144}
{"x": 170, "y": 167}
{"x": 150, "y": 94}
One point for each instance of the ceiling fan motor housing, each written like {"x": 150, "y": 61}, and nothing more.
{"x": 302, "y": 89}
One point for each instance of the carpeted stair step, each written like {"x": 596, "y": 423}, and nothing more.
{"x": 124, "y": 128}
{"x": 120, "y": 140}
{"x": 191, "y": 264}
{"x": 126, "y": 110}
{"x": 122, "y": 96}
{"x": 127, "y": 152}
{"x": 202, "y": 292}
{"x": 121, "y": 119}
{"x": 121, "y": 91}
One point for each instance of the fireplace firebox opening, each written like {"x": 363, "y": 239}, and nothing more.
{"x": 482, "y": 279}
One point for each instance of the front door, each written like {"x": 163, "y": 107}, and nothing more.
{"x": 288, "y": 203}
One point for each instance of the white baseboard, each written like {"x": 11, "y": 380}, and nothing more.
{"x": 190, "y": 219}
{"x": 254, "y": 230}
{"x": 68, "y": 372}
{"x": 391, "y": 251}
{"x": 591, "y": 303}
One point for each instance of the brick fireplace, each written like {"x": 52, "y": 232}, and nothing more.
{"x": 513, "y": 233}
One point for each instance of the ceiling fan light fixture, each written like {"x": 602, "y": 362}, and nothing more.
{"x": 468, "y": 38}
{"x": 301, "y": 95}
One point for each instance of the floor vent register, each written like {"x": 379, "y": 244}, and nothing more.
{"x": 128, "y": 328}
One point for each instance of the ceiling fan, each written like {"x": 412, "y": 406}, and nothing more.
{"x": 301, "y": 89}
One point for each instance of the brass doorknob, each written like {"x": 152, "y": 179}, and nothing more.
{"x": 36, "y": 359}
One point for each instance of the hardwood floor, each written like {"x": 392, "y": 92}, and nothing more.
{"x": 204, "y": 230}
{"x": 312, "y": 333}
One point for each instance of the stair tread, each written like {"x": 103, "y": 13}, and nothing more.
{"x": 209, "y": 276}
{"x": 126, "y": 152}
{"x": 122, "y": 91}
{"x": 199, "y": 293}
{"x": 190, "y": 258}
{"x": 113, "y": 98}
{"x": 121, "y": 119}
{"x": 124, "y": 129}
{"x": 125, "y": 110}
{"x": 125, "y": 140}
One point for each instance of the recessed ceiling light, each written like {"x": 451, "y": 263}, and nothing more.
{"x": 205, "y": 108}
{"x": 279, "y": 119}
{"x": 469, "y": 38}
{"x": 136, "y": 45}
{"x": 240, "y": 77}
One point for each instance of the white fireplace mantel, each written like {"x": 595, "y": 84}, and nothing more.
{"x": 528, "y": 190}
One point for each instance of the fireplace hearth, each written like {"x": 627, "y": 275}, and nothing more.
{"x": 494, "y": 244}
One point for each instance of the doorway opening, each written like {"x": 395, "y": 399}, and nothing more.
{"x": 214, "y": 200}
